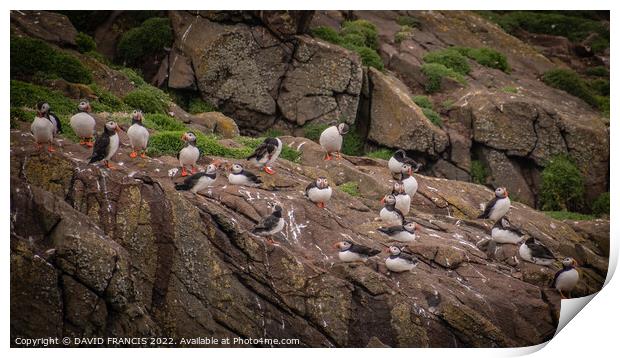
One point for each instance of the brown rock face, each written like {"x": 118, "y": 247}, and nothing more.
{"x": 47, "y": 26}
{"x": 395, "y": 121}
{"x": 122, "y": 253}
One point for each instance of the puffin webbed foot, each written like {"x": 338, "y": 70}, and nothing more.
{"x": 328, "y": 157}
{"x": 51, "y": 149}
{"x": 143, "y": 155}
{"x": 108, "y": 165}
{"x": 268, "y": 170}
{"x": 90, "y": 142}
{"x": 133, "y": 154}
{"x": 183, "y": 172}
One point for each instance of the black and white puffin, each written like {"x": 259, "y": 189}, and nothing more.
{"x": 83, "y": 124}
{"x": 504, "y": 233}
{"x": 350, "y": 252}
{"x": 138, "y": 135}
{"x": 106, "y": 144}
{"x": 188, "y": 156}
{"x": 400, "y": 261}
{"x": 270, "y": 225}
{"x": 567, "y": 278}
{"x": 319, "y": 192}
{"x": 44, "y": 108}
{"x": 535, "y": 252}
{"x": 498, "y": 206}
{"x": 403, "y": 200}
{"x": 331, "y": 139}
{"x": 240, "y": 176}
{"x": 266, "y": 153}
{"x": 398, "y": 159}
{"x": 200, "y": 181}
{"x": 409, "y": 181}
{"x": 43, "y": 131}
{"x": 390, "y": 214}
{"x": 402, "y": 233}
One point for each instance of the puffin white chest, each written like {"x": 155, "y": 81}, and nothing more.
{"x": 276, "y": 154}
{"x": 138, "y": 136}
{"x": 83, "y": 125}
{"x": 390, "y": 217}
{"x": 276, "y": 229}
{"x": 500, "y": 209}
{"x": 503, "y": 236}
{"x": 240, "y": 179}
{"x": 112, "y": 147}
{"x": 403, "y": 203}
{"x": 42, "y": 130}
{"x": 567, "y": 280}
{"x": 189, "y": 155}
{"x": 411, "y": 186}
{"x": 203, "y": 183}
{"x": 349, "y": 256}
{"x": 404, "y": 236}
{"x": 397, "y": 264}
{"x": 394, "y": 165}
{"x": 317, "y": 195}
{"x": 331, "y": 140}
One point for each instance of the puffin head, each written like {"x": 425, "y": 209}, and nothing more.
{"x": 389, "y": 199}
{"x": 394, "y": 250}
{"x": 236, "y": 168}
{"x": 343, "y": 245}
{"x": 42, "y": 108}
{"x": 398, "y": 187}
{"x": 211, "y": 168}
{"x": 136, "y": 116}
{"x": 343, "y": 128}
{"x": 411, "y": 227}
{"x": 84, "y": 106}
{"x": 501, "y": 192}
{"x": 322, "y": 183}
{"x": 111, "y": 127}
{"x": 406, "y": 168}
{"x": 569, "y": 261}
{"x": 189, "y": 137}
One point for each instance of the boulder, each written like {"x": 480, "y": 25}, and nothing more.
{"x": 47, "y": 26}
{"x": 505, "y": 172}
{"x": 217, "y": 123}
{"x": 396, "y": 121}
{"x": 286, "y": 23}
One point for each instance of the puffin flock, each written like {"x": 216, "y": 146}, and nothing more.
{"x": 396, "y": 204}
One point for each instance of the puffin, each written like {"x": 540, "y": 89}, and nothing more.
{"x": 567, "y": 278}
{"x": 265, "y": 154}
{"x": 240, "y": 176}
{"x": 390, "y": 214}
{"x": 189, "y": 154}
{"x": 402, "y": 233}
{"x": 409, "y": 181}
{"x": 319, "y": 192}
{"x": 400, "y": 261}
{"x": 83, "y": 124}
{"x": 270, "y": 225}
{"x": 44, "y": 108}
{"x": 503, "y": 233}
{"x": 43, "y": 130}
{"x": 106, "y": 144}
{"x": 138, "y": 135}
{"x": 331, "y": 139}
{"x": 199, "y": 181}
{"x": 403, "y": 200}
{"x": 397, "y": 160}
{"x": 350, "y": 252}
{"x": 535, "y": 252}
{"x": 498, "y": 206}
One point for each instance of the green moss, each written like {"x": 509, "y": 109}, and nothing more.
{"x": 597, "y": 71}
{"x": 21, "y": 114}
{"x": 85, "y": 43}
{"x": 145, "y": 40}
{"x": 27, "y": 95}
{"x": 450, "y": 58}
{"x": 422, "y": 101}
{"x": 106, "y": 101}
{"x": 433, "y": 116}
{"x": 568, "y": 215}
{"x": 363, "y": 28}
{"x": 478, "y": 172}
{"x": 486, "y": 57}
{"x": 381, "y": 154}
{"x": 435, "y": 72}
{"x": 133, "y": 76}
{"x": 353, "y": 143}
{"x": 31, "y": 56}
{"x": 447, "y": 104}
{"x": 408, "y": 21}
{"x": 368, "y": 56}
{"x": 350, "y": 188}
{"x": 569, "y": 81}
{"x": 510, "y": 89}
{"x": 326, "y": 33}
{"x": 600, "y": 206}
{"x": 600, "y": 86}
{"x": 313, "y": 131}
{"x": 198, "y": 105}
{"x": 404, "y": 33}
{"x": 562, "y": 186}
{"x": 149, "y": 99}
{"x": 163, "y": 122}
{"x": 272, "y": 132}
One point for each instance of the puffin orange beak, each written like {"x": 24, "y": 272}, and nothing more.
{"x": 183, "y": 137}
{"x": 418, "y": 227}
{"x": 382, "y": 200}
{"x": 506, "y": 193}
{"x": 410, "y": 171}
{"x": 336, "y": 245}
{"x": 216, "y": 162}
{"x": 575, "y": 263}
{"x": 387, "y": 249}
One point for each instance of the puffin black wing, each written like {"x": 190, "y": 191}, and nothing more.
{"x": 408, "y": 257}
{"x": 391, "y": 230}
{"x": 252, "y": 177}
{"x": 363, "y": 250}
{"x": 400, "y": 213}
{"x": 267, "y": 147}
{"x": 540, "y": 251}
{"x": 310, "y": 186}
{"x": 266, "y": 224}
{"x": 100, "y": 149}
{"x": 487, "y": 209}
{"x": 54, "y": 119}
{"x": 190, "y": 181}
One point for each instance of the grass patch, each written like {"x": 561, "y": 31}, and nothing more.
{"x": 486, "y": 57}
{"x": 569, "y": 215}
{"x": 562, "y": 186}
{"x": 450, "y": 58}
{"x": 422, "y": 101}
{"x": 427, "y": 108}
{"x": 85, "y": 43}
{"x": 163, "y": 122}
{"x": 478, "y": 172}
{"x": 569, "y": 81}
{"x": 27, "y": 95}
{"x": 32, "y": 56}
{"x": 133, "y": 76}
{"x": 273, "y": 133}
{"x": 352, "y": 143}
{"x": 435, "y": 72}
{"x": 145, "y": 40}
{"x": 510, "y": 89}
{"x": 383, "y": 153}
{"x": 199, "y": 105}
{"x": 359, "y": 36}
{"x": 404, "y": 33}
{"x": 350, "y": 188}
{"x": 597, "y": 71}
{"x": 106, "y": 101}
{"x": 408, "y": 21}
{"x": 313, "y": 131}
{"x": 447, "y": 104}
{"x": 600, "y": 206}
{"x": 148, "y": 99}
